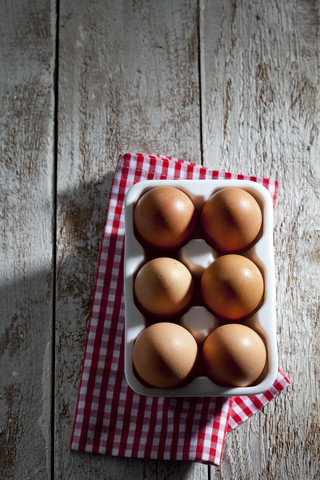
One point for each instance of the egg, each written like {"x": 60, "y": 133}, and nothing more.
{"x": 232, "y": 286}
{"x": 164, "y": 217}
{"x": 234, "y": 355}
{"x": 163, "y": 287}
{"x": 164, "y": 354}
{"x": 231, "y": 220}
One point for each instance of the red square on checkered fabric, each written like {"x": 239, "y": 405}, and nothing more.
{"x": 112, "y": 419}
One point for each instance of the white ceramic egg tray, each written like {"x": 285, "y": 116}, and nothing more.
{"x": 197, "y": 255}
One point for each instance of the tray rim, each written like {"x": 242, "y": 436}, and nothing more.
{"x": 203, "y": 385}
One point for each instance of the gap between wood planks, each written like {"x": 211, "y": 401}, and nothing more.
{"x": 54, "y": 235}
{"x": 200, "y": 90}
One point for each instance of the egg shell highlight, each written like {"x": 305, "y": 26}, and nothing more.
{"x": 164, "y": 354}
{"x": 165, "y": 217}
{"x": 163, "y": 287}
{"x": 232, "y": 287}
{"x": 231, "y": 220}
{"x": 234, "y": 355}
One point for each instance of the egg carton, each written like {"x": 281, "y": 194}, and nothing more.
{"x": 197, "y": 255}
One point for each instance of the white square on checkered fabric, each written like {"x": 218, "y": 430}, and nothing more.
{"x": 105, "y": 337}
{"x": 83, "y": 391}
{"x": 112, "y": 202}
{"x": 109, "y": 393}
{"x": 113, "y": 285}
{"x": 249, "y": 404}
{"x": 193, "y": 441}
{"x": 96, "y": 393}
{"x": 170, "y": 172}
{"x": 116, "y": 354}
{"x": 263, "y": 399}
{"x": 102, "y": 269}
{"x": 77, "y": 432}
{"x": 128, "y": 452}
{"x": 89, "y": 349}
{"x": 89, "y": 446}
{"x": 166, "y": 455}
{"x": 102, "y": 448}
{"x": 132, "y": 433}
{"x": 207, "y": 443}
{"x": 238, "y": 410}
{"x": 135, "y": 402}
{"x": 179, "y": 454}
{"x": 100, "y": 282}
{"x": 142, "y": 444}
{"x": 147, "y": 415}
{"x": 123, "y": 396}
{"x": 220, "y": 434}
{"x": 170, "y": 428}
{"x": 180, "y": 441}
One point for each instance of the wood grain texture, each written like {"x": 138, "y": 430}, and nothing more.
{"x": 260, "y": 115}
{"x": 27, "y": 57}
{"x": 133, "y": 76}
{"x": 128, "y": 81}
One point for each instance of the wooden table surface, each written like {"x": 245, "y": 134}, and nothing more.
{"x": 233, "y": 85}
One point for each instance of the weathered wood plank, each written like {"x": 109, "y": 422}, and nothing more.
{"x": 27, "y": 54}
{"x": 260, "y": 105}
{"x": 128, "y": 81}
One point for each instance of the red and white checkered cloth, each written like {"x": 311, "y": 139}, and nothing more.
{"x": 110, "y": 418}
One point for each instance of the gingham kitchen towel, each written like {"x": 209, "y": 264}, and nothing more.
{"x": 110, "y": 418}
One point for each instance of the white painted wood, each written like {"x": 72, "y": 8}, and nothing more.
{"x": 27, "y": 50}
{"x": 128, "y": 81}
{"x": 260, "y": 113}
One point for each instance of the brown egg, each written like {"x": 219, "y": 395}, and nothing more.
{"x": 232, "y": 287}
{"x": 234, "y": 355}
{"x": 164, "y": 354}
{"x": 163, "y": 287}
{"x": 164, "y": 217}
{"x": 231, "y": 220}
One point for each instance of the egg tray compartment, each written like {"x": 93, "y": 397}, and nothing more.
{"x": 263, "y": 320}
